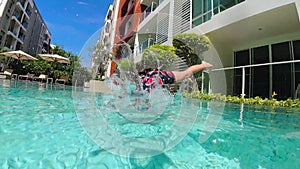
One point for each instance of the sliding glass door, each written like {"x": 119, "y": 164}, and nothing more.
{"x": 282, "y": 74}
{"x": 260, "y": 75}
{"x": 241, "y": 58}
{"x": 296, "y": 51}
{"x": 262, "y": 81}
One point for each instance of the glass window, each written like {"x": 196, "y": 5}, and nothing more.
{"x": 201, "y": 11}
{"x": 281, "y": 52}
{"x": 296, "y": 48}
{"x": 260, "y": 55}
{"x": 281, "y": 82}
{"x": 241, "y": 58}
{"x": 197, "y": 8}
{"x": 216, "y": 6}
{"x": 260, "y": 75}
{"x": 197, "y": 22}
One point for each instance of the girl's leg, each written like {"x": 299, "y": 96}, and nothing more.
{"x": 181, "y": 75}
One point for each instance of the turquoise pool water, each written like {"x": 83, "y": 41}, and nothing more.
{"x": 40, "y": 129}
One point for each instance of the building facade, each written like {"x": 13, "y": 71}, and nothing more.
{"x": 255, "y": 44}
{"x": 107, "y": 40}
{"x": 129, "y": 17}
{"x": 23, "y": 28}
{"x": 259, "y": 40}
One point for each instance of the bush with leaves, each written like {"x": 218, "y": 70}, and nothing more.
{"x": 159, "y": 56}
{"x": 52, "y": 69}
{"x": 191, "y": 47}
{"x": 291, "y": 103}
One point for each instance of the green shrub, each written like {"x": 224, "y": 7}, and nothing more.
{"x": 156, "y": 56}
{"x": 291, "y": 103}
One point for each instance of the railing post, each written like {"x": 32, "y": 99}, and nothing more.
{"x": 202, "y": 83}
{"x": 212, "y": 8}
{"x": 243, "y": 83}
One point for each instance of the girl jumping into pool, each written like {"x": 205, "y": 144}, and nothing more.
{"x": 151, "y": 77}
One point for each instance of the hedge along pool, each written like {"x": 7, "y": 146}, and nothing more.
{"x": 40, "y": 129}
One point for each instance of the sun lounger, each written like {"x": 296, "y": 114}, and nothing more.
{"x": 62, "y": 80}
{"x": 7, "y": 73}
{"x": 26, "y": 77}
{"x": 41, "y": 77}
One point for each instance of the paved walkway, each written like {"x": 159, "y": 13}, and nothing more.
{"x": 96, "y": 86}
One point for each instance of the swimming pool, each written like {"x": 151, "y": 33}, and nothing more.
{"x": 40, "y": 129}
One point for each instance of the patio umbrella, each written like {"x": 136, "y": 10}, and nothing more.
{"x": 55, "y": 58}
{"x": 19, "y": 54}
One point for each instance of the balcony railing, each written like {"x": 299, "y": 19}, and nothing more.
{"x": 150, "y": 9}
{"x": 25, "y": 25}
{"x": 28, "y": 13}
{"x": 217, "y": 7}
{"x": 243, "y": 75}
{"x": 17, "y": 15}
{"x": 146, "y": 44}
{"x": 161, "y": 1}
{"x": 22, "y": 37}
{"x": 22, "y": 2}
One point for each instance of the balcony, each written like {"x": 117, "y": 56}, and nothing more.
{"x": 22, "y": 2}
{"x": 13, "y": 31}
{"x": 107, "y": 26}
{"x": 161, "y": 1}
{"x": 22, "y": 37}
{"x": 218, "y": 7}
{"x": 19, "y": 4}
{"x": 150, "y": 9}
{"x": 28, "y": 12}
{"x": 46, "y": 41}
{"x": 25, "y": 25}
{"x": 17, "y": 15}
{"x": 146, "y": 44}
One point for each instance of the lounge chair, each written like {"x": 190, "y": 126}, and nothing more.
{"x": 7, "y": 73}
{"x": 28, "y": 76}
{"x": 41, "y": 78}
{"x": 62, "y": 79}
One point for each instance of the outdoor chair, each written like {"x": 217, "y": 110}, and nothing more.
{"x": 28, "y": 76}
{"x": 62, "y": 80}
{"x": 40, "y": 78}
{"x": 7, "y": 73}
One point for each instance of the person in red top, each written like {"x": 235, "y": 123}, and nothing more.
{"x": 150, "y": 78}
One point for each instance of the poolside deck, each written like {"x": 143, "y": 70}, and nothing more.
{"x": 96, "y": 86}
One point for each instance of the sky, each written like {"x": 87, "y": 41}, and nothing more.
{"x": 73, "y": 22}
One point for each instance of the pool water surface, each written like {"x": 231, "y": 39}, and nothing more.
{"x": 40, "y": 129}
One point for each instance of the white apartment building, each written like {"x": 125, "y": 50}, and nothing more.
{"x": 22, "y": 27}
{"x": 107, "y": 38}
{"x": 257, "y": 42}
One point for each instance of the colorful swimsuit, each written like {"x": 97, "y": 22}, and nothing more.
{"x": 153, "y": 77}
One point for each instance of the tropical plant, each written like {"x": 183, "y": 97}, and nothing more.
{"x": 126, "y": 64}
{"x": 159, "y": 56}
{"x": 191, "y": 47}
{"x": 53, "y": 69}
{"x": 4, "y": 61}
